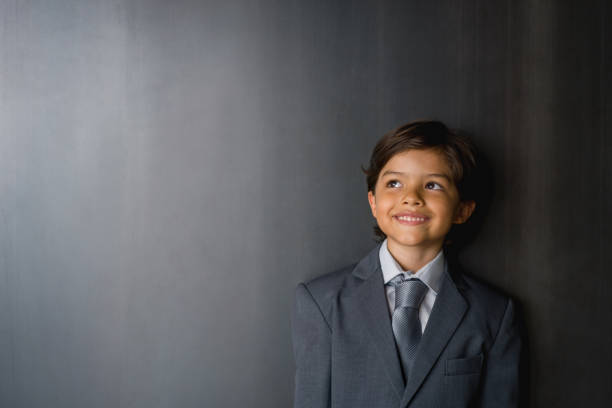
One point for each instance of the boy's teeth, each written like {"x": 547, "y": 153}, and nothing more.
{"x": 411, "y": 218}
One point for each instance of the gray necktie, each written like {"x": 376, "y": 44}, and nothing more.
{"x": 405, "y": 322}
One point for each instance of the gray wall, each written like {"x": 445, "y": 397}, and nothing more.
{"x": 169, "y": 170}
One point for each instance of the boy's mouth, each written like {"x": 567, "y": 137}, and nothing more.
{"x": 410, "y": 218}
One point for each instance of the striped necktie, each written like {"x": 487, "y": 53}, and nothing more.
{"x": 405, "y": 321}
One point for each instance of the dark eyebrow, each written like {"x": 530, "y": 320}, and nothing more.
{"x": 444, "y": 176}
{"x": 392, "y": 172}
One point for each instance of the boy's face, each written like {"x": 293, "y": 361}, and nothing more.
{"x": 416, "y": 201}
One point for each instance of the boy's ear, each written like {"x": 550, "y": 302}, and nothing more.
{"x": 464, "y": 211}
{"x": 372, "y": 201}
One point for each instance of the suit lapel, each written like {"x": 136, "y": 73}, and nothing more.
{"x": 370, "y": 302}
{"x": 447, "y": 313}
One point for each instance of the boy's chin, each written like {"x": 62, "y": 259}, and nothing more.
{"x": 414, "y": 243}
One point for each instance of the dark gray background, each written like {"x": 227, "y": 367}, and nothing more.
{"x": 170, "y": 170}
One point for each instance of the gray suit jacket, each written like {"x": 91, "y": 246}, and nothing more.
{"x": 346, "y": 356}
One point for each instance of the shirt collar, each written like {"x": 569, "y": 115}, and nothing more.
{"x": 430, "y": 273}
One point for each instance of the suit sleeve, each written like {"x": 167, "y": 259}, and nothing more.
{"x": 504, "y": 366}
{"x": 312, "y": 352}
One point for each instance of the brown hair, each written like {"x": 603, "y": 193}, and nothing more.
{"x": 458, "y": 150}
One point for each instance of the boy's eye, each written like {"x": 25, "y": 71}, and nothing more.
{"x": 393, "y": 183}
{"x": 432, "y": 185}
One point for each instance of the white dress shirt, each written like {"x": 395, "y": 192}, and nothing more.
{"x": 430, "y": 274}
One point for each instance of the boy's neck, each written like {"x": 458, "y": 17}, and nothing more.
{"x": 413, "y": 258}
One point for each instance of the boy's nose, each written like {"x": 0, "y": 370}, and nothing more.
{"x": 412, "y": 198}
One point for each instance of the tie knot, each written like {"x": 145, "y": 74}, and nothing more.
{"x": 408, "y": 293}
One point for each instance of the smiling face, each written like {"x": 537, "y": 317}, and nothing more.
{"x": 415, "y": 201}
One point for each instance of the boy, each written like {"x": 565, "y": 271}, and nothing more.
{"x": 405, "y": 327}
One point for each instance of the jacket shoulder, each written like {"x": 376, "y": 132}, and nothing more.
{"x": 327, "y": 286}
{"x": 487, "y": 303}
{"x": 484, "y": 292}
{"x": 324, "y": 289}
